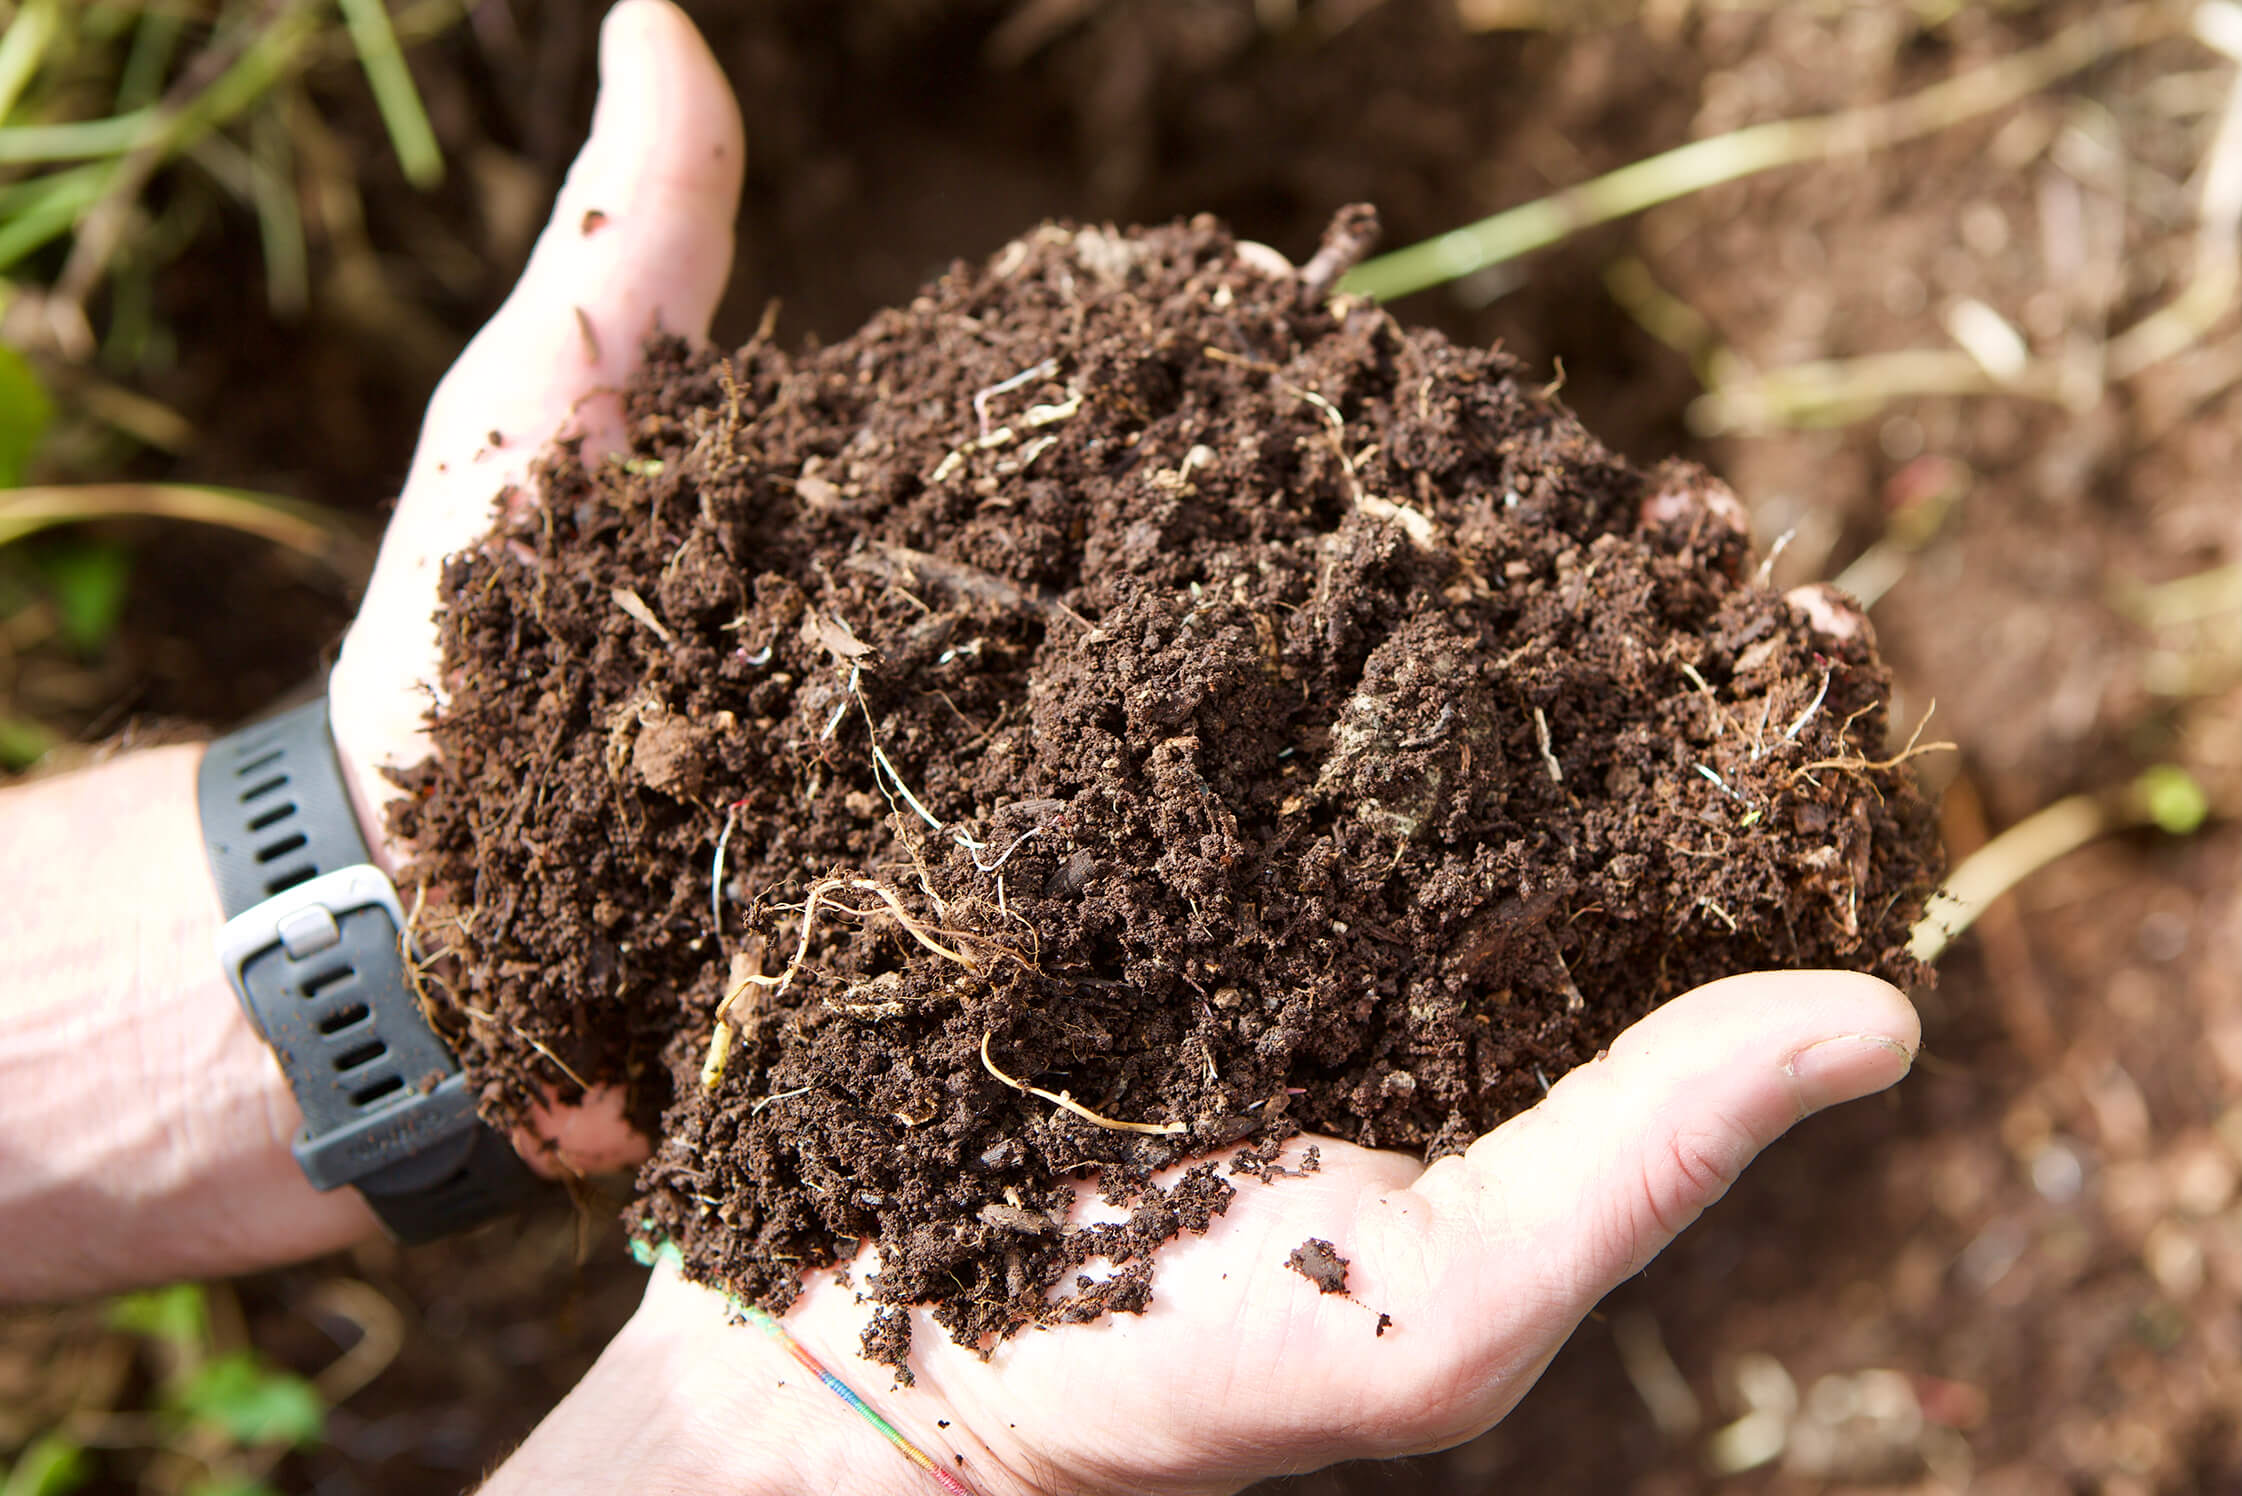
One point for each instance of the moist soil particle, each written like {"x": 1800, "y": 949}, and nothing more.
{"x": 1126, "y": 703}
{"x": 1320, "y": 1263}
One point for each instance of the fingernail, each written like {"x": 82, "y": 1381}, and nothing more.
{"x": 1844, "y": 1068}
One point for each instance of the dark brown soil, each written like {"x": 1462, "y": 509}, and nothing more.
{"x": 1130, "y": 704}
{"x": 1320, "y": 1263}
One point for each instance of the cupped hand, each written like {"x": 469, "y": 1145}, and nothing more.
{"x": 1481, "y": 1264}
{"x": 640, "y": 239}
{"x": 1240, "y": 1368}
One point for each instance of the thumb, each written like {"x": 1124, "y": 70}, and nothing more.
{"x": 640, "y": 238}
{"x": 1625, "y": 1152}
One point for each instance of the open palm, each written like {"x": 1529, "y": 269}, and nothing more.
{"x": 1465, "y": 1277}
{"x": 1240, "y": 1368}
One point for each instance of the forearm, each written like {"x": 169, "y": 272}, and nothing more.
{"x": 143, "y": 1124}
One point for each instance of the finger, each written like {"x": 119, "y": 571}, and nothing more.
{"x": 1623, "y": 1153}
{"x": 587, "y": 1133}
{"x": 1510, "y": 1243}
{"x": 1832, "y": 613}
{"x": 641, "y": 236}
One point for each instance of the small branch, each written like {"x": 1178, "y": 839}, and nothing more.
{"x": 1064, "y": 1102}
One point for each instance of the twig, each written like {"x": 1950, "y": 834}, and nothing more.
{"x": 1718, "y": 783}
{"x": 1541, "y": 738}
{"x": 1066, "y": 1102}
{"x": 716, "y": 874}
{"x": 1757, "y": 148}
{"x": 1721, "y": 718}
{"x": 1812, "y": 707}
{"x": 757, "y": 1109}
{"x": 631, "y": 603}
{"x": 981, "y": 398}
{"x": 1416, "y": 525}
{"x": 535, "y": 1044}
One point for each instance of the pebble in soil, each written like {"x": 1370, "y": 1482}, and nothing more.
{"x": 1128, "y": 673}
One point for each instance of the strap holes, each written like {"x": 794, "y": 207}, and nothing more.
{"x": 387, "y": 1086}
{"x": 282, "y": 882}
{"x": 274, "y": 816}
{"x": 263, "y": 760}
{"x": 361, "y": 1054}
{"x": 265, "y": 787}
{"x": 294, "y": 841}
{"x": 333, "y": 976}
{"x": 343, "y": 1018}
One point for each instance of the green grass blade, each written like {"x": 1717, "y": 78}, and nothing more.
{"x": 53, "y": 1464}
{"x": 26, "y": 410}
{"x": 410, "y": 133}
{"x": 320, "y": 533}
{"x": 268, "y": 61}
{"x": 77, "y": 140}
{"x": 154, "y": 43}
{"x": 52, "y": 211}
{"x": 280, "y": 219}
{"x": 24, "y": 47}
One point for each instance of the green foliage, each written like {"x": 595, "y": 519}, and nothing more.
{"x": 2173, "y": 798}
{"x": 121, "y": 120}
{"x": 25, "y": 413}
{"x": 23, "y": 742}
{"x": 178, "y": 1316}
{"x": 250, "y": 1401}
{"x": 228, "y": 1485}
{"x": 89, "y": 580}
{"x": 49, "y": 1466}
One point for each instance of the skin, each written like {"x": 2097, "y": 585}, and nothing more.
{"x": 143, "y": 1128}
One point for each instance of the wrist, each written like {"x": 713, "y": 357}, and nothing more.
{"x": 687, "y": 1398}
{"x": 649, "y": 1417}
{"x": 144, "y": 1127}
{"x": 377, "y": 730}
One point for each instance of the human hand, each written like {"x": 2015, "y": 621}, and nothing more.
{"x": 1240, "y": 1368}
{"x": 641, "y": 237}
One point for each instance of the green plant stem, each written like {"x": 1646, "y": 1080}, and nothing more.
{"x": 154, "y": 42}
{"x": 402, "y": 112}
{"x": 1747, "y": 152}
{"x": 23, "y": 47}
{"x": 2053, "y": 832}
{"x": 76, "y": 140}
{"x": 49, "y": 207}
{"x": 319, "y": 533}
{"x": 260, "y": 67}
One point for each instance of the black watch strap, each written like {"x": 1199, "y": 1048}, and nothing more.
{"x": 314, "y": 946}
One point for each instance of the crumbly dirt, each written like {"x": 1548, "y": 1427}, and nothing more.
{"x": 1320, "y": 1263}
{"x": 1128, "y": 703}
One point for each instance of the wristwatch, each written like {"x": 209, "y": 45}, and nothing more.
{"x": 316, "y": 948}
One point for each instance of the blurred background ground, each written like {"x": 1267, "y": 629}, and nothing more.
{"x": 1990, "y": 376}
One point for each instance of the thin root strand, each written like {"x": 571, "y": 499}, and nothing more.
{"x": 1064, "y": 1102}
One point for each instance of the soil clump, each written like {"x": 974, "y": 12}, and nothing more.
{"x": 1320, "y": 1263}
{"x": 1125, "y": 703}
